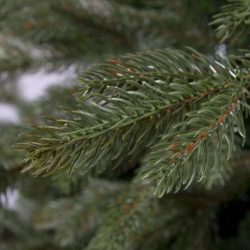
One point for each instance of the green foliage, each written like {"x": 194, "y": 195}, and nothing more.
{"x": 164, "y": 123}
{"x": 133, "y": 218}
{"x": 83, "y": 32}
{"x": 181, "y": 107}
{"x": 233, "y": 21}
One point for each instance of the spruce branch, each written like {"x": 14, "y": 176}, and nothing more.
{"x": 182, "y": 108}
{"x": 82, "y": 212}
{"x": 233, "y": 21}
{"x": 126, "y": 222}
{"x": 133, "y": 217}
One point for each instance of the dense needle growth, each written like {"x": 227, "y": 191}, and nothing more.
{"x": 145, "y": 151}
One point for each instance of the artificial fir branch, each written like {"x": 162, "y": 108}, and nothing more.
{"x": 176, "y": 101}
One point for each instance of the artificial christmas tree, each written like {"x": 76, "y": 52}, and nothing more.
{"x": 148, "y": 154}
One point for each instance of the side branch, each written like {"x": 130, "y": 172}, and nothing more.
{"x": 197, "y": 146}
